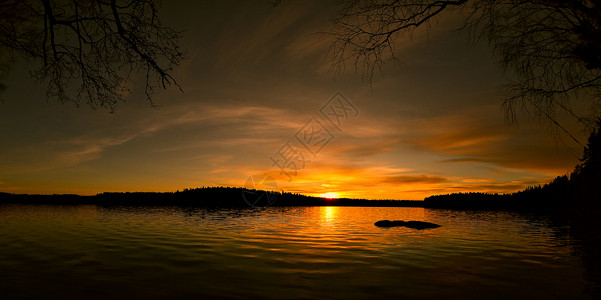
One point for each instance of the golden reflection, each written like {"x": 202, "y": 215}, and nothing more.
{"x": 328, "y": 213}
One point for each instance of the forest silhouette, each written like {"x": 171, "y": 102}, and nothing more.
{"x": 579, "y": 191}
{"x": 216, "y": 197}
{"x": 552, "y": 46}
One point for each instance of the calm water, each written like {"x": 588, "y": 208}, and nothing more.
{"x": 282, "y": 253}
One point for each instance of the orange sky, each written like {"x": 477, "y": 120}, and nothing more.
{"x": 255, "y": 76}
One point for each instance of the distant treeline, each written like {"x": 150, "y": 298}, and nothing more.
{"x": 201, "y": 197}
{"x": 580, "y": 190}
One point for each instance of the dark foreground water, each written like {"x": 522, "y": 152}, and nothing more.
{"x": 284, "y": 253}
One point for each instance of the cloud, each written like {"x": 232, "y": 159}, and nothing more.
{"x": 361, "y": 149}
{"x": 472, "y": 137}
{"x": 412, "y": 179}
{"x": 465, "y": 160}
{"x": 255, "y": 76}
{"x": 214, "y": 125}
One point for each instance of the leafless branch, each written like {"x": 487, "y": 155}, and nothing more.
{"x": 551, "y": 48}
{"x": 88, "y": 50}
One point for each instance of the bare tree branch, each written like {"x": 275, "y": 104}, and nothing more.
{"x": 88, "y": 50}
{"x": 552, "y": 47}
{"x": 366, "y": 30}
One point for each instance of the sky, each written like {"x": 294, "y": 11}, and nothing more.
{"x": 255, "y": 83}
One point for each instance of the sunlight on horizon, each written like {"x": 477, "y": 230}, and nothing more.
{"x": 330, "y": 195}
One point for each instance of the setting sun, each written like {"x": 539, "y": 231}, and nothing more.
{"x": 329, "y": 195}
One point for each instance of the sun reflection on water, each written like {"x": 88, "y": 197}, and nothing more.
{"x": 328, "y": 213}
{"x": 266, "y": 253}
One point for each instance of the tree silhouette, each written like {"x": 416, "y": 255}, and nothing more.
{"x": 587, "y": 175}
{"x": 88, "y": 50}
{"x": 579, "y": 191}
{"x": 553, "y": 47}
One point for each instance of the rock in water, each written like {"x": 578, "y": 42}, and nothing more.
{"x": 409, "y": 224}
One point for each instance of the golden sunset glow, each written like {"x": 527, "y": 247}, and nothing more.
{"x": 330, "y": 195}
{"x": 348, "y": 149}
{"x": 248, "y": 95}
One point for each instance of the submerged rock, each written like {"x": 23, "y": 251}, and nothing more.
{"x": 409, "y": 224}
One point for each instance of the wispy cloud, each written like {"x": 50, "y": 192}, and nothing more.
{"x": 255, "y": 76}
{"x": 413, "y": 179}
{"x": 472, "y": 137}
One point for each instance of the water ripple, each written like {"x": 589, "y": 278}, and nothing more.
{"x": 292, "y": 253}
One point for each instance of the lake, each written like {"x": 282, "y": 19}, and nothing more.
{"x": 285, "y": 253}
